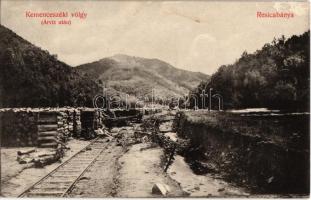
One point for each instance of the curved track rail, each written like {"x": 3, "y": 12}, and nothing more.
{"x": 61, "y": 180}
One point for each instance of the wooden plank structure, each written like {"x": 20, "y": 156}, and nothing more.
{"x": 121, "y": 117}
{"x": 47, "y": 129}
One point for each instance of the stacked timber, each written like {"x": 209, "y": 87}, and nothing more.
{"x": 70, "y": 121}
{"x": 23, "y": 127}
{"x": 63, "y": 126}
{"x": 19, "y": 128}
{"x": 76, "y": 123}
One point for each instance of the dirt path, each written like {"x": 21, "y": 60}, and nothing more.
{"x": 140, "y": 170}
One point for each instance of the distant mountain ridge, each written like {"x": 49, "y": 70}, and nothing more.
{"x": 137, "y": 76}
{"x": 32, "y": 77}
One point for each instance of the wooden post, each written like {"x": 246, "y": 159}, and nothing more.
{"x": 170, "y": 158}
{"x": 210, "y": 99}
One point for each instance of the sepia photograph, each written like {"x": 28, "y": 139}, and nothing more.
{"x": 154, "y": 99}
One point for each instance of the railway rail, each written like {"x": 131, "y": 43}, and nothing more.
{"x": 61, "y": 180}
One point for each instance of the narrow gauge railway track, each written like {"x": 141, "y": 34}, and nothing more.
{"x": 61, "y": 180}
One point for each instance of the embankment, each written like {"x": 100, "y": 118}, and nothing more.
{"x": 268, "y": 153}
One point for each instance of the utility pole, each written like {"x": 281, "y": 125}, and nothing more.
{"x": 210, "y": 99}
{"x": 0, "y": 12}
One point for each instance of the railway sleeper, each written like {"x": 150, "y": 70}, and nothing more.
{"x": 51, "y": 187}
{"x": 61, "y": 175}
{"x": 45, "y": 194}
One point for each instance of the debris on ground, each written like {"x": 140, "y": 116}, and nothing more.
{"x": 161, "y": 189}
{"x": 50, "y": 157}
{"x": 84, "y": 178}
{"x": 41, "y": 156}
{"x": 24, "y": 160}
{"x": 23, "y": 152}
{"x": 171, "y": 135}
{"x": 103, "y": 132}
{"x": 166, "y": 127}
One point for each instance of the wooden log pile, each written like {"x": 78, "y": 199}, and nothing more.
{"x": 74, "y": 123}
{"x": 19, "y": 128}
{"x": 63, "y": 126}
{"x": 90, "y": 121}
{"x": 23, "y": 127}
{"x": 69, "y": 123}
{"x": 46, "y": 128}
{"x": 39, "y": 157}
{"x": 46, "y": 158}
{"x": 77, "y": 123}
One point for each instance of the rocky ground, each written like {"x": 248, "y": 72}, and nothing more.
{"x": 202, "y": 185}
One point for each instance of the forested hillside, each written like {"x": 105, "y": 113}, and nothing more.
{"x": 31, "y": 77}
{"x": 138, "y": 76}
{"x": 276, "y": 76}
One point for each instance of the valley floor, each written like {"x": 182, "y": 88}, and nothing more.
{"x": 119, "y": 171}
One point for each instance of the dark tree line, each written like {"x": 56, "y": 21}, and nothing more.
{"x": 276, "y": 76}
{"x": 31, "y": 77}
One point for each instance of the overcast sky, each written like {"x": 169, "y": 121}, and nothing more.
{"x": 192, "y": 35}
